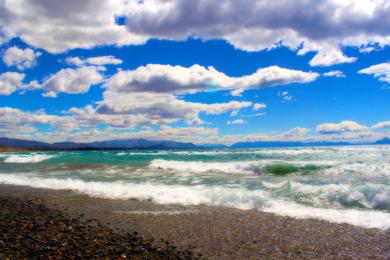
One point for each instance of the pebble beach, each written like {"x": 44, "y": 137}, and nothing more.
{"x": 41, "y": 223}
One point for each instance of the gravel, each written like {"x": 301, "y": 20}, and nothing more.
{"x": 31, "y": 230}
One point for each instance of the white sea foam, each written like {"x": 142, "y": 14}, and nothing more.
{"x": 363, "y": 218}
{"x": 361, "y": 168}
{"x": 320, "y": 189}
{"x": 210, "y": 195}
{"x": 160, "y": 193}
{"x": 121, "y": 154}
{"x": 232, "y": 167}
{"x": 369, "y": 196}
{"x": 27, "y": 158}
{"x": 203, "y": 167}
{"x": 275, "y": 185}
{"x": 292, "y": 151}
{"x": 236, "y": 151}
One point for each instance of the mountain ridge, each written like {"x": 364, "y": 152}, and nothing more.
{"x": 102, "y": 145}
{"x": 159, "y": 144}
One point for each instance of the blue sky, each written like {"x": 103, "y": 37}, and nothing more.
{"x": 83, "y": 77}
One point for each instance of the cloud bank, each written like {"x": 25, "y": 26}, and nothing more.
{"x": 304, "y": 25}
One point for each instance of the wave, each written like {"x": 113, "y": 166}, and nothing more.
{"x": 369, "y": 196}
{"x": 27, "y": 158}
{"x": 160, "y": 193}
{"x": 238, "y": 167}
{"x": 363, "y": 218}
{"x": 237, "y": 151}
{"x": 380, "y": 168}
{"x": 236, "y": 197}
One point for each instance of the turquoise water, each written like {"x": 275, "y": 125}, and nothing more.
{"x": 339, "y": 184}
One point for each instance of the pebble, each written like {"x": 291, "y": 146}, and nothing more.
{"x": 30, "y": 230}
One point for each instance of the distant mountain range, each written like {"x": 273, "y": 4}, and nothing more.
{"x": 104, "y": 145}
{"x": 285, "y": 144}
{"x": 383, "y": 141}
{"x": 155, "y": 144}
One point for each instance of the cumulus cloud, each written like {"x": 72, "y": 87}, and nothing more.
{"x": 381, "y": 125}
{"x": 285, "y": 96}
{"x": 258, "y": 106}
{"x": 236, "y": 122}
{"x": 379, "y": 71}
{"x": 13, "y": 118}
{"x": 162, "y": 108}
{"x": 323, "y": 27}
{"x": 99, "y": 61}
{"x": 10, "y": 82}
{"x": 342, "y": 127}
{"x": 79, "y": 124}
{"x": 20, "y": 58}
{"x": 69, "y": 80}
{"x": 334, "y": 73}
{"x": 177, "y": 79}
{"x": 296, "y": 132}
{"x": 58, "y": 26}
{"x": 329, "y": 56}
{"x": 154, "y": 91}
{"x": 303, "y": 25}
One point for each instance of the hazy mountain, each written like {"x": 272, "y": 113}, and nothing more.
{"x": 157, "y": 144}
{"x": 114, "y": 144}
{"x": 142, "y": 144}
{"x": 284, "y": 144}
{"x": 383, "y": 141}
{"x": 18, "y": 143}
{"x": 213, "y": 146}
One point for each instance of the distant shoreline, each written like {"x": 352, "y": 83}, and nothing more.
{"x": 13, "y": 149}
{"x": 143, "y": 144}
{"x": 34, "y": 149}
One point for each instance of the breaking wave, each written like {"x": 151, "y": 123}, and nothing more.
{"x": 27, "y": 158}
{"x": 236, "y": 197}
{"x": 239, "y": 167}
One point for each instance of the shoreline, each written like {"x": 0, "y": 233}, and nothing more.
{"x": 216, "y": 232}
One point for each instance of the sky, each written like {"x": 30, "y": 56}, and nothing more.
{"x": 195, "y": 71}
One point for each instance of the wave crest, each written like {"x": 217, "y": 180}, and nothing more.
{"x": 30, "y": 158}
{"x": 239, "y": 167}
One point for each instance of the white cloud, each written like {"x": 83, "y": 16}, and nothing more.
{"x": 381, "y": 125}
{"x": 285, "y": 96}
{"x": 234, "y": 113}
{"x": 379, "y": 71}
{"x": 334, "y": 73}
{"x": 10, "y": 82}
{"x": 20, "y": 58}
{"x": 162, "y": 108}
{"x": 305, "y": 25}
{"x": 328, "y": 57}
{"x": 236, "y": 122}
{"x": 296, "y": 133}
{"x": 254, "y": 115}
{"x": 258, "y": 106}
{"x": 342, "y": 127}
{"x": 58, "y": 26}
{"x": 80, "y": 125}
{"x": 323, "y": 27}
{"x": 12, "y": 118}
{"x": 71, "y": 81}
{"x": 100, "y": 60}
{"x": 177, "y": 79}
{"x": 153, "y": 91}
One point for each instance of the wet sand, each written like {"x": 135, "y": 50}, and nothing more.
{"x": 218, "y": 232}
